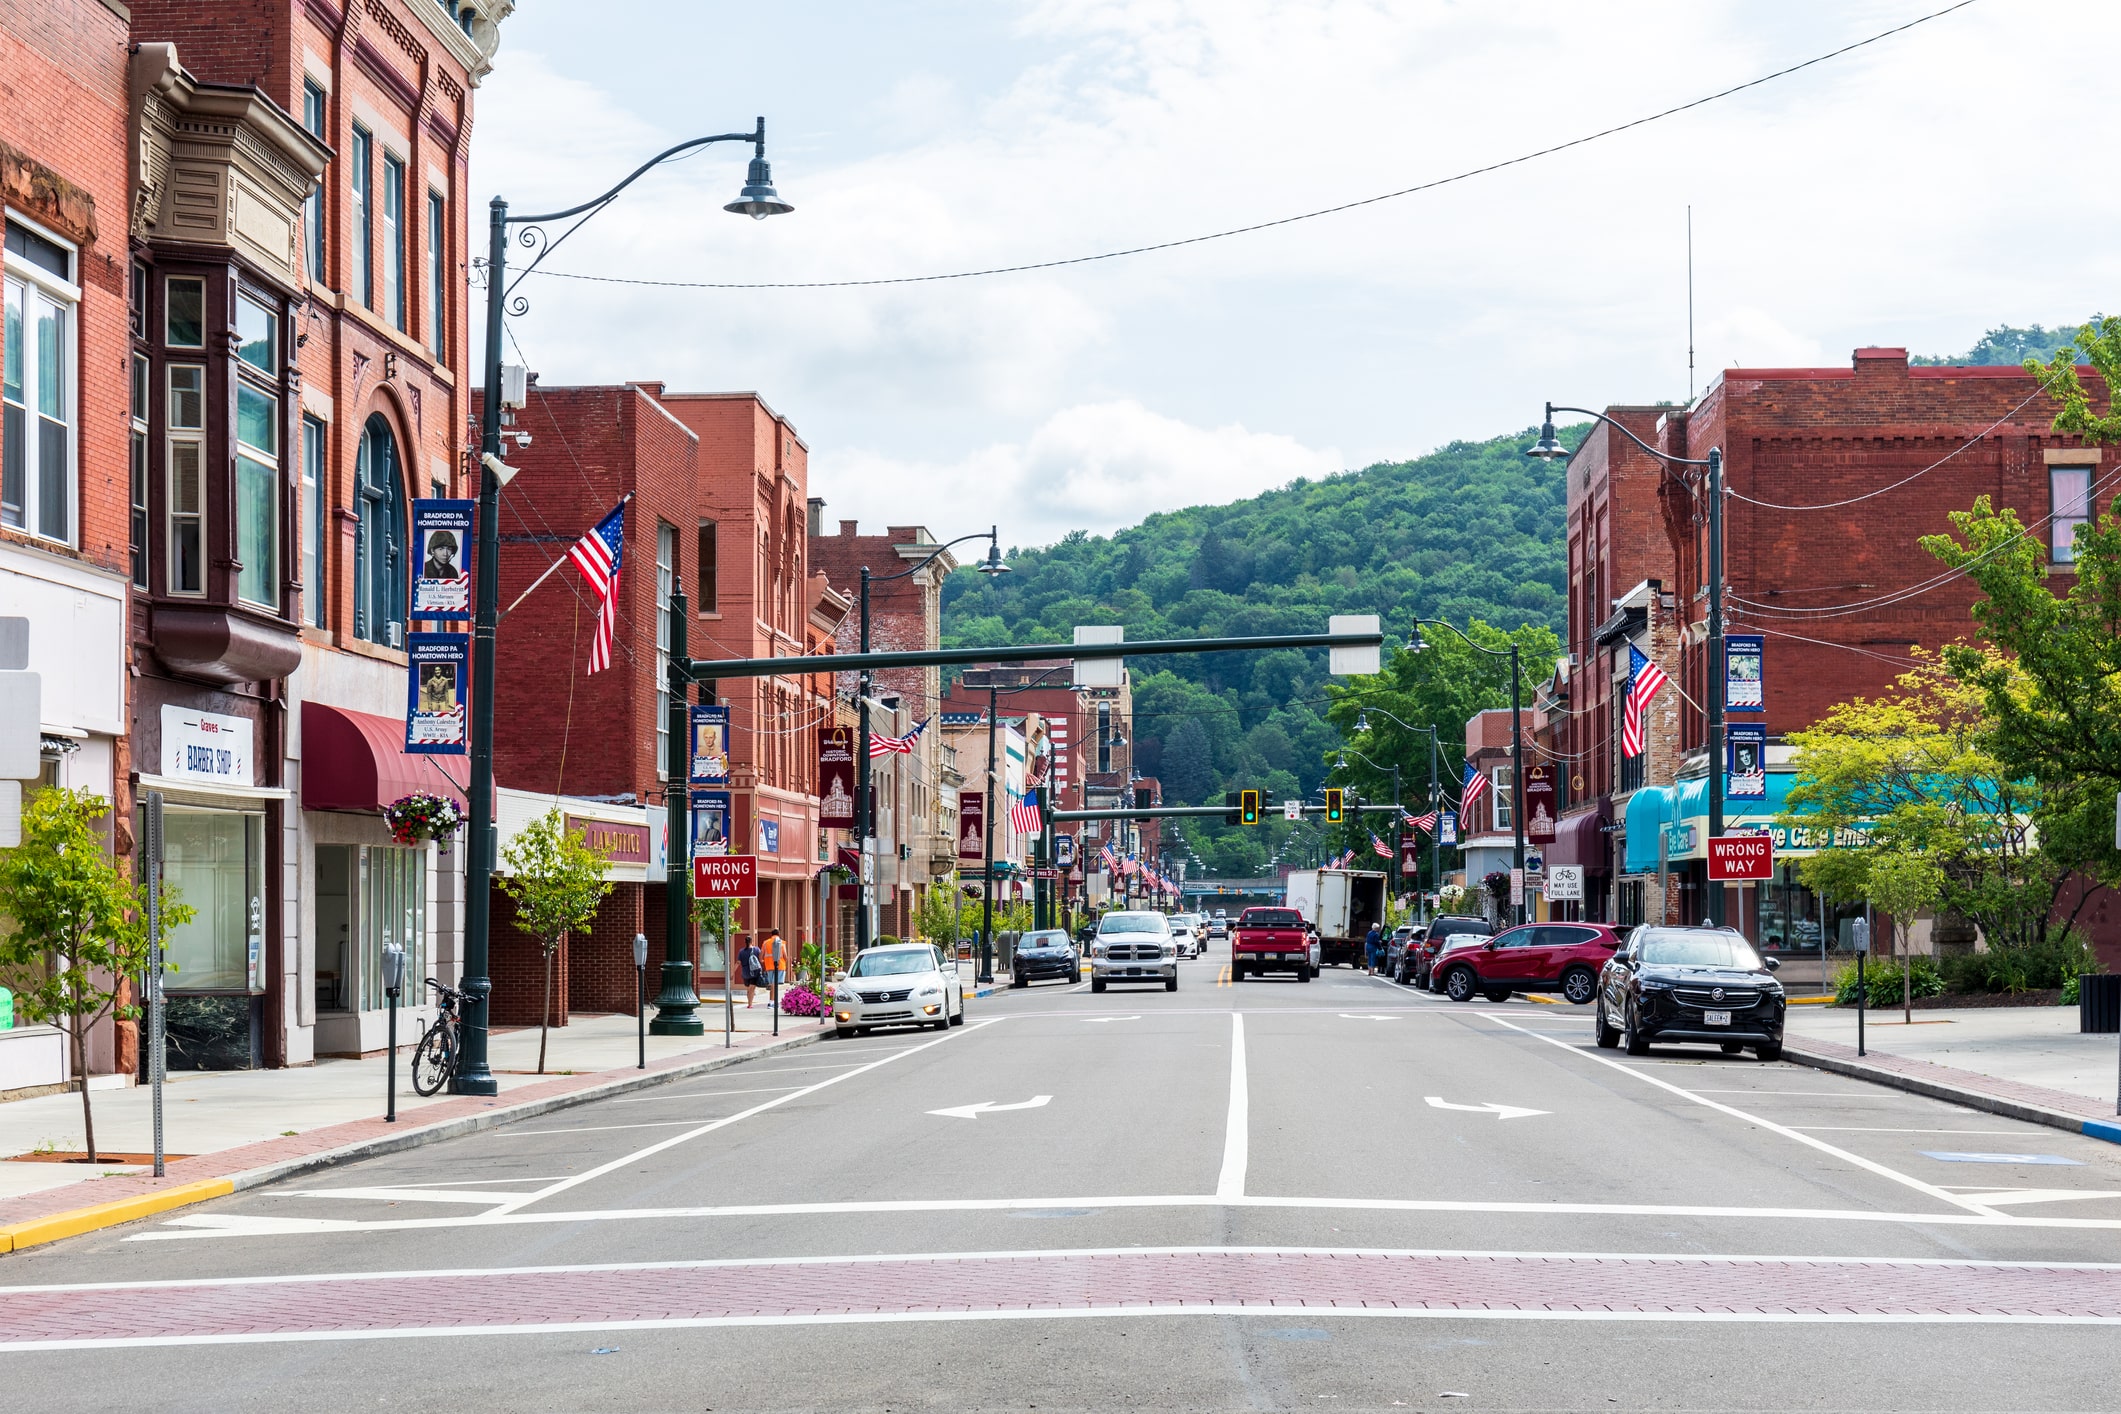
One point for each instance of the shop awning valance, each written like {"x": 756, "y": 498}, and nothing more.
{"x": 355, "y": 761}
{"x": 1580, "y": 840}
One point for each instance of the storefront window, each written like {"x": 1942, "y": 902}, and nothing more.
{"x": 369, "y": 896}
{"x": 216, "y": 859}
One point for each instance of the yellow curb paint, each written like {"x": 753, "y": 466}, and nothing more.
{"x": 76, "y": 1221}
{"x": 1543, "y": 1001}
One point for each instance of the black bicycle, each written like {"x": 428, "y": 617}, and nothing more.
{"x": 434, "y": 1060}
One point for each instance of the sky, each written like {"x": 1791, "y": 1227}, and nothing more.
{"x": 1915, "y": 192}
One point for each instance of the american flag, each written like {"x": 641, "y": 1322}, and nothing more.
{"x": 1471, "y": 789}
{"x": 1379, "y": 848}
{"x": 1024, "y": 817}
{"x": 596, "y": 555}
{"x": 895, "y": 745}
{"x": 1644, "y": 679}
{"x": 1424, "y": 823}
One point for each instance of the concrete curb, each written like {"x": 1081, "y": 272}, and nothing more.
{"x": 73, "y": 1222}
{"x": 1987, "y": 1103}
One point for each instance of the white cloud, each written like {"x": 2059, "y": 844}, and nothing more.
{"x": 1096, "y": 466}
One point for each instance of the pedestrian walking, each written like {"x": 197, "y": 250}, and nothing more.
{"x": 749, "y": 962}
{"x": 1373, "y": 944}
{"x": 775, "y": 960}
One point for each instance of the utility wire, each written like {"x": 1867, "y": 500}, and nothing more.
{"x": 1280, "y": 221}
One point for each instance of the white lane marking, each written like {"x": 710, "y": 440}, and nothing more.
{"x": 1872, "y": 1129}
{"x": 1675, "y": 1259}
{"x": 195, "y": 1227}
{"x": 1237, "y": 1130}
{"x": 602, "y": 1128}
{"x": 406, "y": 1195}
{"x": 1036, "y": 1102}
{"x": 843, "y": 1318}
{"x": 2045, "y": 1195}
{"x": 1438, "y": 1102}
{"x": 1871, "y": 1165}
{"x": 1815, "y": 1094}
{"x": 760, "y": 1108}
{"x": 694, "y": 1095}
{"x": 1111, "y": 1018}
{"x": 1366, "y": 1016}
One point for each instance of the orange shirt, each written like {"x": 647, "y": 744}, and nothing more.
{"x": 773, "y": 954}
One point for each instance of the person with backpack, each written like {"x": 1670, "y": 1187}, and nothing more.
{"x": 753, "y": 967}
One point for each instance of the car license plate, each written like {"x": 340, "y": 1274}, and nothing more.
{"x": 1716, "y": 1018}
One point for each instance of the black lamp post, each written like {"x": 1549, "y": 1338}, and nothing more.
{"x": 1549, "y": 448}
{"x": 474, "y": 1076}
{"x": 1398, "y": 811}
{"x": 864, "y": 826}
{"x": 1414, "y": 645}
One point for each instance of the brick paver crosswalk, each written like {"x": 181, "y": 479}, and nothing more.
{"x": 1065, "y": 1282}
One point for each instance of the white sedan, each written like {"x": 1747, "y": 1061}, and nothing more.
{"x": 904, "y": 984}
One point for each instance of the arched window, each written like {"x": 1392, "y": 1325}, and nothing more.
{"x": 379, "y": 538}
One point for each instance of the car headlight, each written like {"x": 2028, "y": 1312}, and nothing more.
{"x": 1654, "y": 984}
{"x": 844, "y": 998}
{"x": 930, "y": 992}
{"x": 1098, "y": 950}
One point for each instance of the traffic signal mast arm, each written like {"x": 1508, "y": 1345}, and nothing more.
{"x": 1169, "y": 812}
{"x": 711, "y": 669}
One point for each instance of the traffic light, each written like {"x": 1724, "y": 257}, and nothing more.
{"x": 1333, "y": 796}
{"x": 1248, "y": 806}
{"x": 1230, "y": 804}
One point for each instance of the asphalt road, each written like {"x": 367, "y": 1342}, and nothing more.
{"x": 1336, "y": 1195}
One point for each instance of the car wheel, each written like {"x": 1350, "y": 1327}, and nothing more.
{"x": 1019, "y": 981}
{"x": 1605, "y": 1035}
{"x": 1237, "y": 972}
{"x": 1459, "y": 985}
{"x": 1496, "y": 994}
{"x": 1579, "y": 985}
{"x": 845, "y": 1033}
{"x": 959, "y": 1019}
{"x": 1170, "y": 984}
{"x": 1097, "y": 984}
{"x": 1637, "y": 1044}
{"x": 1732, "y": 1048}
{"x": 1303, "y": 974}
{"x": 1769, "y": 1051}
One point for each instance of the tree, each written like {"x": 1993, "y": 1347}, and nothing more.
{"x": 1903, "y": 885}
{"x": 1188, "y": 770}
{"x": 1913, "y": 772}
{"x": 557, "y": 882}
{"x": 80, "y": 925}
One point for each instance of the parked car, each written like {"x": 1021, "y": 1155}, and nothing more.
{"x": 1415, "y": 963}
{"x": 900, "y": 984}
{"x": 1454, "y": 944}
{"x": 1690, "y": 984}
{"x": 1396, "y": 946}
{"x": 1271, "y": 940}
{"x": 1046, "y": 953}
{"x": 1133, "y": 947}
{"x": 1532, "y": 957}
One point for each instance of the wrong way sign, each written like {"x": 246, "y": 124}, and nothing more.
{"x": 725, "y": 876}
{"x": 1741, "y": 858}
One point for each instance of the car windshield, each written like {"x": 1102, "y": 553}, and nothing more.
{"x": 1270, "y": 918}
{"x": 891, "y": 964}
{"x": 1132, "y": 923}
{"x": 1043, "y": 940}
{"x": 1703, "y": 947}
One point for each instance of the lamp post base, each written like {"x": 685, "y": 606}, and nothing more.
{"x": 677, "y": 1005}
{"x": 476, "y": 1077}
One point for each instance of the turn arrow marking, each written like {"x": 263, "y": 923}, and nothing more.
{"x": 989, "y": 1107}
{"x": 1437, "y": 1102}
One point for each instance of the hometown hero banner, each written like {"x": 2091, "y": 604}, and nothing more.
{"x": 437, "y": 673}
{"x": 442, "y": 537}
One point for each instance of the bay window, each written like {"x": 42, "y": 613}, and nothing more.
{"x": 139, "y": 470}
{"x": 37, "y": 409}
{"x": 313, "y": 522}
{"x": 184, "y": 465}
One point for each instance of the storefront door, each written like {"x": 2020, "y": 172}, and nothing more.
{"x": 214, "y": 861}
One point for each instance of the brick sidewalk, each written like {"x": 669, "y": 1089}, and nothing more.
{"x": 2013, "y": 1099}
{"x": 1073, "y": 1283}
{"x": 253, "y": 1164}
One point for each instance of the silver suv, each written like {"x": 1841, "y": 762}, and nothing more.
{"x": 1134, "y": 947}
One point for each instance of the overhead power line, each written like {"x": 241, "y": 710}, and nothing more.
{"x": 1256, "y": 226}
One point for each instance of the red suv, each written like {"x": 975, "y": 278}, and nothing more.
{"x": 1536, "y": 957}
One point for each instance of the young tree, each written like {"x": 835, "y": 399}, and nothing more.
{"x": 557, "y": 882}
{"x": 1903, "y": 885}
{"x": 80, "y": 925}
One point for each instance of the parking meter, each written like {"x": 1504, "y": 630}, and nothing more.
{"x": 640, "y": 950}
{"x": 1860, "y": 934}
{"x": 1860, "y": 940}
{"x": 393, "y": 987}
{"x": 640, "y": 1000}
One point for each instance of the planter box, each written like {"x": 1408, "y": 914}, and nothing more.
{"x": 32, "y": 1055}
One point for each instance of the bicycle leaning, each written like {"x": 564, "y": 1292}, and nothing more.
{"x": 434, "y": 1059}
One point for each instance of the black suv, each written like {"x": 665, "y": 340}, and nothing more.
{"x": 1415, "y": 958}
{"x": 1690, "y": 984}
{"x": 1046, "y": 953}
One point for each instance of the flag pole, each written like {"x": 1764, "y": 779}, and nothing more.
{"x": 623, "y": 500}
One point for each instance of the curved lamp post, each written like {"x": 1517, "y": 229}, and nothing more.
{"x": 1549, "y": 448}
{"x": 474, "y": 1076}
{"x": 1415, "y": 645}
{"x": 864, "y": 826}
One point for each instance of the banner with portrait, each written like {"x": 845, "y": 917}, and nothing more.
{"x": 972, "y": 824}
{"x": 835, "y": 778}
{"x": 437, "y": 681}
{"x": 1447, "y": 829}
{"x": 710, "y": 822}
{"x": 1745, "y": 744}
{"x": 709, "y": 746}
{"x": 1744, "y": 690}
{"x": 442, "y": 539}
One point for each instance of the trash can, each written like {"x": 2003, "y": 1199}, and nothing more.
{"x": 2099, "y": 1002}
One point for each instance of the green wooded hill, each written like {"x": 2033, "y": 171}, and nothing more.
{"x": 1471, "y": 531}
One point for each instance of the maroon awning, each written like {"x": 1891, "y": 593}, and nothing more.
{"x": 1581, "y": 840}
{"x": 357, "y": 761}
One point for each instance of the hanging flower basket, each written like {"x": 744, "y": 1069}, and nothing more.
{"x": 420, "y": 816}
{"x": 1497, "y": 884}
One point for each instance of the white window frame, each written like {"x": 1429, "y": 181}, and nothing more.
{"x": 2062, "y": 529}
{"x": 361, "y": 199}
{"x": 666, "y": 557}
{"x": 139, "y": 394}
{"x": 173, "y": 437}
{"x": 21, "y": 273}
{"x": 1503, "y": 792}
{"x": 394, "y": 299}
{"x": 313, "y": 452}
{"x": 437, "y": 273}
{"x": 315, "y": 255}
{"x": 272, "y": 460}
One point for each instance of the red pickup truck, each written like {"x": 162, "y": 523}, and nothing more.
{"x": 1270, "y": 940}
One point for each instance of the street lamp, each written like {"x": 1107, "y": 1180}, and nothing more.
{"x": 864, "y": 825}
{"x": 1398, "y": 810}
{"x": 758, "y": 199}
{"x": 1415, "y": 645}
{"x": 1362, "y": 724}
{"x": 1549, "y": 448}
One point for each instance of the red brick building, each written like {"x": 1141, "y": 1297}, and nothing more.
{"x": 64, "y": 453}
{"x": 1833, "y": 474}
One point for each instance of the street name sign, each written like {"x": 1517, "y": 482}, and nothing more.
{"x": 1741, "y": 858}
